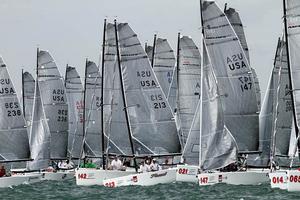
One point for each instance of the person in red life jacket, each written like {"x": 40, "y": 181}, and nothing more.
{"x": 2, "y": 171}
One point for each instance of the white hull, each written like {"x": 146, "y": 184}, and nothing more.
{"x": 293, "y": 180}
{"x": 58, "y": 176}
{"x": 233, "y": 178}
{"x": 279, "y": 179}
{"x": 19, "y": 180}
{"x": 187, "y": 173}
{"x": 143, "y": 179}
{"x": 50, "y": 176}
{"x": 90, "y": 176}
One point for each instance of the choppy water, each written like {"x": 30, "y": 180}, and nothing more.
{"x": 182, "y": 191}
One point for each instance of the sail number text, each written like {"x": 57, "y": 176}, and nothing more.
{"x": 62, "y": 115}
{"x": 13, "y": 109}
{"x": 158, "y": 101}
{"x": 246, "y": 83}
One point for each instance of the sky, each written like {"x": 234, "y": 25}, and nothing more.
{"x": 71, "y": 30}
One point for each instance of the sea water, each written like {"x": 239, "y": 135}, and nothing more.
{"x": 69, "y": 190}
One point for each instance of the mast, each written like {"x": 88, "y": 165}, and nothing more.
{"x": 66, "y": 75}
{"x": 83, "y": 114}
{"x": 153, "y": 50}
{"x": 102, "y": 94}
{"x": 146, "y": 46}
{"x": 123, "y": 95}
{"x": 290, "y": 73}
{"x": 177, "y": 79}
{"x": 23, "y": 95}
{"x": 225, "y": 7}
{"x": 201, "y": 100}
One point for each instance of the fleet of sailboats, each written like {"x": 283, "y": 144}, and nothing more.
{"x": 198, "y": 108}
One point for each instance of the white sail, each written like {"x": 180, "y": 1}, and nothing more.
{"x": 28, "y": 90}
{"x": 54, "y": 101}
{"x": 172, "y": 93}
{"x": 13, "y": 134}
{"x": 276, "y": 115}
{"x": 74, "y": 91}
{"x": 189, "y": 84}
{"x": 236, "y": 22}
{"x": 208, "y": 132}
{"x": 39, "y": 138}
{"x": 283, "y": 110}
{"x": 234, "y": 77}
{"x": 93, "y": 140}
{"x": 114, "y": 116}
{"x": 163, "y": 64}
{"x": 293, "y": 39}
{"x": 150, "y": 116}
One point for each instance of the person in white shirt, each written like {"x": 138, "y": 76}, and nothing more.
{"x": 155, "y": 166}
{"x": 116, "y": 164}
{"x": 147, "y": 165}
{"x": 62, "y": 165}
{"x": 143, "y": 167}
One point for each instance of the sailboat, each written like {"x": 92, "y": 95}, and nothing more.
{"x": 74, "y": 91}
{"x": 279, "y": 118}
{"x": 238, "y": 95}
{"x": 48, "y": 138}
{"x": 289, "y": 179}
{"x": 150, "y": 122}
{"x": 14, "y": 146}
{"x": 102, "y": 110}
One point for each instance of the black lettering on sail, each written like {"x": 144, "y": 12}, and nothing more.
{"x": 229, "y": 60}
{"x": 243, "y": 64}
{"x": 5, "y": 81}
{"x": 7, "y": 91}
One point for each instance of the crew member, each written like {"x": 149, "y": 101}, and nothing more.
{"x": 155, "y": 166}
{"x": 2, "y": 171}
{"x": 116, "y": 164}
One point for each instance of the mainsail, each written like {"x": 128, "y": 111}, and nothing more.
{"x": 93, "y": 141}
{"x": 208, "y": 134}
{"x": 236, "y": 22}
{"x": 150, "y": 117}
{"x": 292, "y": 17}
{"x": 14, "y": 144}
{"x": 74, "y": 91}
{"x": 276, "y": 115}
{"x": 53, "y": 96}
{"x": 39, "y": 138}
{"x": 234, "y": 77}
{"x": 188, "y": 83}
{"x": 163, "y": 63}
{"x": 28, "y": 96}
